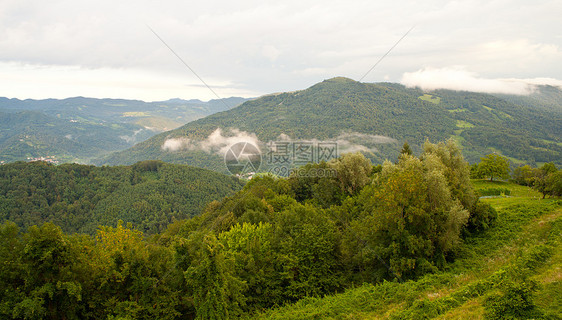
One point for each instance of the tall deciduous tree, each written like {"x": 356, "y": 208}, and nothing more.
{"x": 494, "y": 166}
{"x": 353, "y": 171}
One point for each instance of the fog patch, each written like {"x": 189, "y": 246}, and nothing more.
{"x": 217, "y": 142}
{"x": 459, "y": 79}
{"x": 348, "y": 142}
{"x": 132, "y": 138}
{"x": 175, "y": 144}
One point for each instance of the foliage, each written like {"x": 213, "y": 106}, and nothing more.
{"x": 554, "y": 182}
{"x": 409, "y": 241}
{"x": 493, "y": 165}
{"x": 216, "y": 291}
{"x": 411, "y": 218}
{"x": 547, "y": 179}
{"x": 352, "y": 170}
{"x": 514, "y": 300}
{"x": 517, "y": 257}
{"x": 78, "y": 198}
{"x": 524, "y": 175}
{"x": 406, "y": 149}
{"x": 494, "y": 192}
{"x": 482, "y": 217}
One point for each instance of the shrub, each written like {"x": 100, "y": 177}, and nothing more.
{"x": 494, "y": 192}
{"x": 482, "y": 216}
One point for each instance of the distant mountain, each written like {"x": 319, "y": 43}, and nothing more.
{"x": 374, "y": 118}
{"x": 79, "y": 129}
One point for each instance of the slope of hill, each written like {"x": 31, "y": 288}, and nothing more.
{"x": 519, "y": 258}
{"x": 79, "y": 198}
{"x": 78, "y": 129}
{"x": 375, "y": 118}
{"x": 32, "y": 134}
{"x": 406, "y": 240}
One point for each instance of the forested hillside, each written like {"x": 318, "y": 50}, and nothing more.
{"x": 377, "y": 119}
{"x": 79, "y": 198}
{"x": 509, "y": 271}
{"x": 34, "y": 135}
{"x": 79, "y": 129}
{"x": 409, "y": 239}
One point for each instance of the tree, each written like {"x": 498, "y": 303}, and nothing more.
{"x": 50, "y": 290}
{"x": 494, "y": 165}
{"x": 524, "y": 175}
{"x": 546, "y": 180}
{"x": 353, "y": 171}
{"x": 406, "y": 149}
{"x": 217, "y": 292}
{"x": 411, "y": 218}
{"x": 554, "y": 183}
{"x": 455, "y": 169}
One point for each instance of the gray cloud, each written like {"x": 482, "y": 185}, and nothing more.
{"x": 103, "y": 48}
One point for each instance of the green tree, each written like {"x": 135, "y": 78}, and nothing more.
{"x": 406, "y": 150}
{"x": 554, "y": 182}
{"x": 525, "y": 175}
{"x": 353, "y": 171}
{"x": 546, "y": 180}
{"x": 447, "y": 158}
{"x": 256, "y": 263}
{"x": 217, "y": 292}
{"x": 494, "y": 165}
{"x": 51, "y": 290}
{"x": 410, "y": 222}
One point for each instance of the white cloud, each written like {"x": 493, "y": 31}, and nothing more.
{"x": 355, "y": 141}
{"x": 176, "y": 144}
{"x": 220, "y": 143}
{"x": 460, "y": 79}
{"x": 348, "y": 142}
{"x": 216, "y": 142}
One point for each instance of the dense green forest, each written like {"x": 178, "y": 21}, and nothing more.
{"x": 386, "y": 234}
{"x": 79, "y": 198}
{"x": 525, "y": 129}
{"x": 79, "y": 129}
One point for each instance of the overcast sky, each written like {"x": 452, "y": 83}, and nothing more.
{"x": 103, "y": 48}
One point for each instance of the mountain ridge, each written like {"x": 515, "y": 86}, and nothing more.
{"x": 99, "y": 126}
{"x": 480, "y": 123}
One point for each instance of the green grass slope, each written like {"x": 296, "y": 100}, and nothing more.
{"x": 520, "y": 256}
{"x": 481, "y": 123}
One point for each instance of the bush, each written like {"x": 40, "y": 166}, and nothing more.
{"x": 494, "y": 192}
{"x": 482, "y": 216}
{"x": 513, "y": 300}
